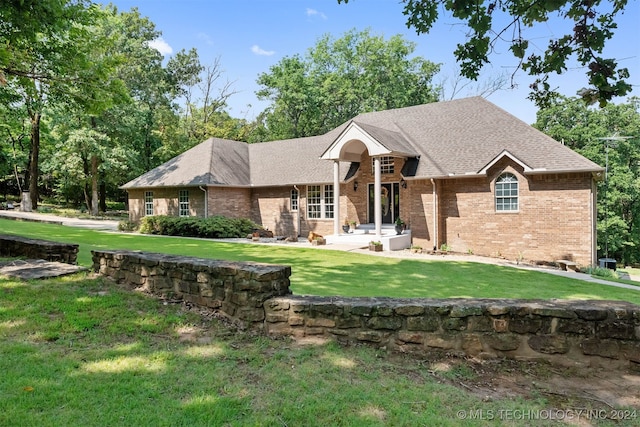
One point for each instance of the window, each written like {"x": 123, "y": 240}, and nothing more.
{"x": 294, "y": 200}
{"x": 320, "y": 201}
{"x": 507, "y": 193}
{"x": 328, "y": 201}
{"x": 183, "y": 203}
{"x": 148, "y": 203}
{"x": 386, "y": 165}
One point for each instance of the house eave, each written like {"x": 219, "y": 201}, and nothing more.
{"x": 544, "y": 171}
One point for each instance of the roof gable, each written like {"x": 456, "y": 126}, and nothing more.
{"x": 499, "y": 157}
{"x": 358, "y": 137}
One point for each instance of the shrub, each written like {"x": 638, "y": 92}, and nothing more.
{"x": 127, "y": 226}
{"x": 219, "y": 227}
{"x": 601, "y": 272}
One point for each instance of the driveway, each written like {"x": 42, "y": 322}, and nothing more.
{"x": 96, "y": 224}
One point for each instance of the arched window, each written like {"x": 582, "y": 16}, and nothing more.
{"x": 507, "y": 192}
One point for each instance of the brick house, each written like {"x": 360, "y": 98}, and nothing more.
{"x": 464, "y": 173}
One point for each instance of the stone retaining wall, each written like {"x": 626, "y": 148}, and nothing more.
{"x": 237, "y": 289}
{"x": 258, "y": 297}
{"x": 15, "y": 246}
{"x": 561, "y": 331}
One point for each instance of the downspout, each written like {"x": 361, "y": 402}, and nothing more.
{"x": 299, "y": 222}
{"x": 435, "y": 215}
{"x": 206, "y": 201}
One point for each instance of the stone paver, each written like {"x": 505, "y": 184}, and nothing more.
{"x": 28, "y": 269}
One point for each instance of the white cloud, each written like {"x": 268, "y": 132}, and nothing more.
{"x": 313, "y": 12}
{"x": 161, "y": 46}
{"x": 205, "y": 38}
{"x": 259, "y": 51}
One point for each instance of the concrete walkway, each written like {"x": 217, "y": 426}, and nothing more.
{"x": 111, "y": 225}
{"x": 96, "y": 224}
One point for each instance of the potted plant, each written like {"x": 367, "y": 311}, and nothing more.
{"x": 375, "y": 246}
{"x": 345, "y": 226}
{"x": 318, "y": 241}
{"x": 352, "y": 226}
{"x": 399, "y": 225}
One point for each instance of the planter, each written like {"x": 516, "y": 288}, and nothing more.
{"x": 345, "y": 228}
{"x": 399, "y": 229}
{"x": 375, "y": 248}
{"x": 318, "y": 242}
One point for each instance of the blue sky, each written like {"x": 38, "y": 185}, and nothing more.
{"x": 250, "y": 36}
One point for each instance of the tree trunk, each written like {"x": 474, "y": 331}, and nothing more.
{"x": 34, "y": 158}
{"x": 94, "y": 185}
{"x": 87, "y": 196}
{"x": 103, "y": 196}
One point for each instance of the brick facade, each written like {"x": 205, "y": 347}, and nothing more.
{"x": 165, "y": 202}
{"x": 554, "y": 219}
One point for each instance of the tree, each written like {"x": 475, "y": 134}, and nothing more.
{"x": 593, "y": 23}
{"x": 202, "y": 117}
{"x": 456, "y": 85}
{"x": 341, "y": 78}
{"x": 81, "y": 155}
{"x": 42, "y": 53}
{"x": 582, "y": 128}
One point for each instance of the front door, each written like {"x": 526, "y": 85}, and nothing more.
{"x": 390, "y": 201}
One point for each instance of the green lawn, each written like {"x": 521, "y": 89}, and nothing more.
{"x": 325, "y": 272}
{"x": 78, "y": 351}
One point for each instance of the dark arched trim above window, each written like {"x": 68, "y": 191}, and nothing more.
{"x": 507, "y": 193}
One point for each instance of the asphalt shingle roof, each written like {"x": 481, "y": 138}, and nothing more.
{"x": 212, "y": 162}
{"x": 451, "y": 138}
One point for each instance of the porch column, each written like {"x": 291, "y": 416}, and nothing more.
{"x": 336, "y": 197}
{"x": 377, "y": 203}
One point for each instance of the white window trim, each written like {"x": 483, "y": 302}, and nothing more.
{"x": 323, "y": 203}
{"x": 148, "y": 204}
{"x": 517, "y": 196}
{"x": 182, "y": 203}
{"x": 387, "y": 165}
{"x": 295, "y": 199}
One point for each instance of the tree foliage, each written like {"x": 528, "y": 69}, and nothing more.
{"x": 87, "y": 104}
{"x": 592, "y": 24}
{"x": 340, "y": 78}
{"x": 586, "y": 131}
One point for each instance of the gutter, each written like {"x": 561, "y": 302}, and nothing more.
{"x": 206, "y": 201}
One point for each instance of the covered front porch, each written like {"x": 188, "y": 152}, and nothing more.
{"x": 365, "y": 233}
{"x": 365, "y": 148}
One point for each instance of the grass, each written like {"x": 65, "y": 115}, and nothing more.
{"x": 325, "y": 272}
{"x": 80, "y": 351}
{"x": 635, "y": 272}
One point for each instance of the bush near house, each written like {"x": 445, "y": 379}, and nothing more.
{"x": 213, "y": 227}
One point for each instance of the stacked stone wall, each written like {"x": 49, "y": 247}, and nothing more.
{"x": 257, "y": 296}
{"x": 560, "y": 331}
{"x": 16, "y": 246}
{"x": 237, "y": 289}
